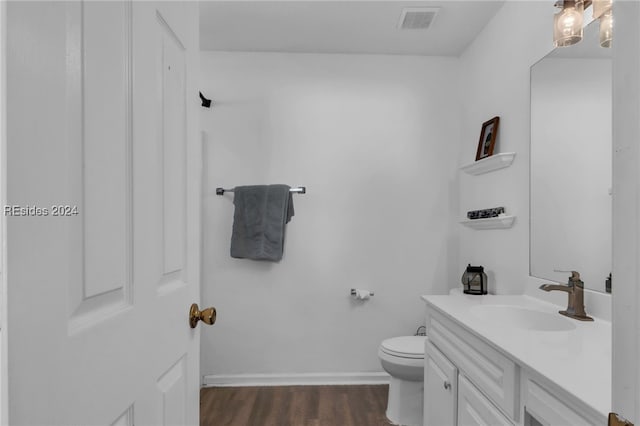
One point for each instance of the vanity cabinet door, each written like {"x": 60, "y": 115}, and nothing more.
{"x": 474, "y": 409}
{"x": 488, "y": 368}
{"x": 440, "y": 388}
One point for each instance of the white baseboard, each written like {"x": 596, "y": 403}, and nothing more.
{"x": 301, "y": 379}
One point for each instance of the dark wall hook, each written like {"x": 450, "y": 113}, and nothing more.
{"x": 205, "y": 102}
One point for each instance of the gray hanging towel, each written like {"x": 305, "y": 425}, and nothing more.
{"x": 261, "y": 212}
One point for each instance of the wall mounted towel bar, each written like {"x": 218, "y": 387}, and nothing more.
{"x": 299, "y": 190}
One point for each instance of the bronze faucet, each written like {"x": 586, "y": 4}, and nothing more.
{"x": 575, "y": 292}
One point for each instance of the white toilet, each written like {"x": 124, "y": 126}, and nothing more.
{"x": 403, "y": 359}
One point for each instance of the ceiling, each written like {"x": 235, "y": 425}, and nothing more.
{"x": 340, "y": 26}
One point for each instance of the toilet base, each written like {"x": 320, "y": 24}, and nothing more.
{"x": 404, "y": 406}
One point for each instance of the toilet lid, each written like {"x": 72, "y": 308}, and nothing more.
{"x": 405, "y": 346}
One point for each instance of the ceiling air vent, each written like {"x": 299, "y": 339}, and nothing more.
{"x": 417, "y": 18}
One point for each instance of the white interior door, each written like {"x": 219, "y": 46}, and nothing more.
{"x": 103, "y": 241}
{"x": 626, "y": 210}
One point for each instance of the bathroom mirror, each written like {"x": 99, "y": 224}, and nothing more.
{"x": 571, "y": 145}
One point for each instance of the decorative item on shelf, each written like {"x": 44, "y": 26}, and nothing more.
{"x": 474, "y": 280}
{"x": 483, "y": 214}
{"x": 488, "y": 136}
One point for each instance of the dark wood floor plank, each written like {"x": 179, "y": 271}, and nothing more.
{"x": 350, "y": 405}
{"x": 270, "y": 407}
{"x": 332, "y": 406}
{"x": 228, "y": 406}
{"x": 303, "y": 407}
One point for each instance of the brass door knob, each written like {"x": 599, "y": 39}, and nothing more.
{"x": 208, "y": 316}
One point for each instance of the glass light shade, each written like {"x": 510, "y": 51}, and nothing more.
{"x": 600, "y": 7}
{"x": 606, "y": 29}
{"x": 567, "y": 24}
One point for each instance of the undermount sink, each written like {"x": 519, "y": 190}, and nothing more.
{"x": 519, "y": 317}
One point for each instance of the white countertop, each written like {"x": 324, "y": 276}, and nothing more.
{"x": 578, "y": 361}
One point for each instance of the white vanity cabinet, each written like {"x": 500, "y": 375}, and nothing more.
{"x": 543, "y": 407}
{"x": 469, "y": 381}
{"x": 441, "y": 386}
{"x": 450, "y": 398}
{"x": 474, "y": 409}
{"x": 489, "y": 370}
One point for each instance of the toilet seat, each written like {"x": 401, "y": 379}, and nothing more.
{"x": 404, "y": 347}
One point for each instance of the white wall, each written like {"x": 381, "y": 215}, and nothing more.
{"x": 495, "y": 81}
{"x": 374, "y": 139}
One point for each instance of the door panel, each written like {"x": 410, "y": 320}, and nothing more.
{"x": 99, "y": 137}
{"x": 103, "y": 74}
{"x": 172, "y": 70}
{"x": 172, "y": 386}
{"x": 98, "y": 301}
{"x": 126, "y": 419}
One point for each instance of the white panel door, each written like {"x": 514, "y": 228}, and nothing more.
{"x": 103, "y": 217}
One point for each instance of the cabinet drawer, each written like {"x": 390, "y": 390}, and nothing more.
{"x": 474, "y": 409}
{"x": 492, "y": 372}
{"x": 548, "y": 409}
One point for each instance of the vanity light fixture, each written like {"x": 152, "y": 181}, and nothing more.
{"x": 568, "y": 22}
{"x": 602, "y": 11}
{"x": 606, "y": 29}
{"x": 600, "y": 7}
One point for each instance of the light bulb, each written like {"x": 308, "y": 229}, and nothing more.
{"x": 606, "y": 29}
{"x": 600, "y": 7}
{"x": 567, "y": 24}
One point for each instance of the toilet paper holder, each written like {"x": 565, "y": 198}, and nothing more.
{"x": 353, "y": 292}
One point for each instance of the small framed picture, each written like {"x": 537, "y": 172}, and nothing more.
{"x": 487, "y": 138}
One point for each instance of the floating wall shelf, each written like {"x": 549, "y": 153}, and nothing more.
{"x": 489, "y": 164}
{"x": 501, "y": 222}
